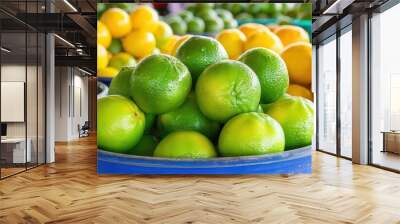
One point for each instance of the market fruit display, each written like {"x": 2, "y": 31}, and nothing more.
{"x": 185, "y": 87}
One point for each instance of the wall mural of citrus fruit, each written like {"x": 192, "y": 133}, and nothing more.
{"x": 204, "y": 88}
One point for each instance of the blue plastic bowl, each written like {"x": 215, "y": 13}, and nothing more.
{"x": 289, "y": 162}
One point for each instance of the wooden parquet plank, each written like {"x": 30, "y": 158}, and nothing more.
{"x": 70, "y": 191}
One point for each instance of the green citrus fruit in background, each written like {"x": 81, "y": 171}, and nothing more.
{"x": 207, "y": 14}
{"x": 251, "y": 134}
{"x": 120, "y": 124}
{"x": 230, "y": 23}
{"x": 271, "y": 72}
{"x": 185, "y": 144}
{"x": 196, "y": 26}
{"x": 115, "y": 46}
{"x": 224, "y": 14}
{"x": 187, "y": 117}
{"x": 178, "y": 27}
{"x": 185, "y": 15}
{"x": 214, "y": 24}
{"x": 120, "y": 84}
{"x": 145, "y": 147}
{"x": 150, "y": 118}
{"x": 160, "y": 84}
{"x": 296, "y": 116}
{"x": 244, "y": 16}
{"x": 227, "y": 88}
{"x": 121, "y": 60}
{"x": 198, "y": 52}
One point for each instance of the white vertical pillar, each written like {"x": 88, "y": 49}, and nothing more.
{"x": 360, "y": 90}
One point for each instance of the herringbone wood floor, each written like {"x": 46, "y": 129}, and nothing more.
{"x": 70, "y": 191}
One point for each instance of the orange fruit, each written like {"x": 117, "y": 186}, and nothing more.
{"x": 169, "y": 44}
{"x": 102, "y": 57}
{"x": 162, "y": 32}
{"x": 298, "y": 90}
{"x": 233, "y": 41}
{"x": 117, "y": 22}
{"x": 139, "y": 43}
{"x": 298, "y": 59}
{"x": 178, "y": 43}
{"x": 264, "y": 38}
{"x": 103, "y": 35}
{"x": 291, "y": 34}
{"x": 250, "y": 28}
{"x": 144, "y": 17}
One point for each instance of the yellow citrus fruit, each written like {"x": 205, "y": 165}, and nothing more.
{"x": 250, "y": 28}
{"x": 298, "y": 58}
{"x": 169, "y": 44}
{"x": 107, "y": 72}
{"x": 139, "y": 43}
{"x": 117, "y": 22}
{"x": 233, "y": 41}
{"x": 103, "y": 35}
{"x": 264, "y": 38}
{"x": 102, "y": 57}
{"x": 272, "y": 27}
{"x": 162, "y": 32}
{"x": 291, "y": 34}
{"x": 144, "y": 18}
{"x": 181, "y": 40}
{"x": 298, "y": 90}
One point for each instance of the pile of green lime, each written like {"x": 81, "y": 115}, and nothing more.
{"x": 200, "y": 104}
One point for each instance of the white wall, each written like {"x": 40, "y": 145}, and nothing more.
{"x": 71, "y": 102}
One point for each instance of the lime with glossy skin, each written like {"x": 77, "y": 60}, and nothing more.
{"x": 187, "y": 117}
{"x": 120, "y": 124}
{"x": 120, "y": 84}
{"x": 195, "y": 26}
{"x": 224, "y": 14}
{"x": 251, "y": 134}
{"x": 271, "y": 72}
{"x": 198, "y": 52}
{"x": 185, "y": 15}
{"x": 185, "y": 144}
{"x": 145, "y": 147}
{"x": 296, "y": 116}
{"x": 160, "y": 84}
{"x": 227, "y": 88}
{"x": 178, "y": 27}
{"x": 214, "y": 25}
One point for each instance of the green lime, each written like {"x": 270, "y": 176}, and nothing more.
{"x": 196, "y": 26}
{"x": 120, "y": 84}
{"x": 227, "y": 88}
{"x": 271, "y": 72}
{"x": 235, "y": 8}
{"x": 187, "y": 117}
{"x": 224, "y": 14}
{"x": 206, "y": 14}
{"x": 230, "y": 23}
{"x": 244, "y": 16}
{"x": 251, "y": 134}
{"x": 120, "y": 124}
{"x": 178, "y": 26}
{"x": 150, "y": 118}
{"x": 214, "y": 25}
{"x": 296, "y": 116}
{"x": 115, "y": 46}
{"x": 145, "y": 147}
{"x": 198, "y": 52}
{"x": 160, "y": 84}
{"x": 185, "y": 144}
{"x": 121, "y": 60}
{"x": 186, "y": 15}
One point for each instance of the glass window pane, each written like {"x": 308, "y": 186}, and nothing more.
{"x": 346, "y": 94}
{"x": 385, "y": 86}
{"x": 327, "y": 97}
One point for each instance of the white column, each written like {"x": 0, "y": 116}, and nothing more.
{"x": 360, "y": 90}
